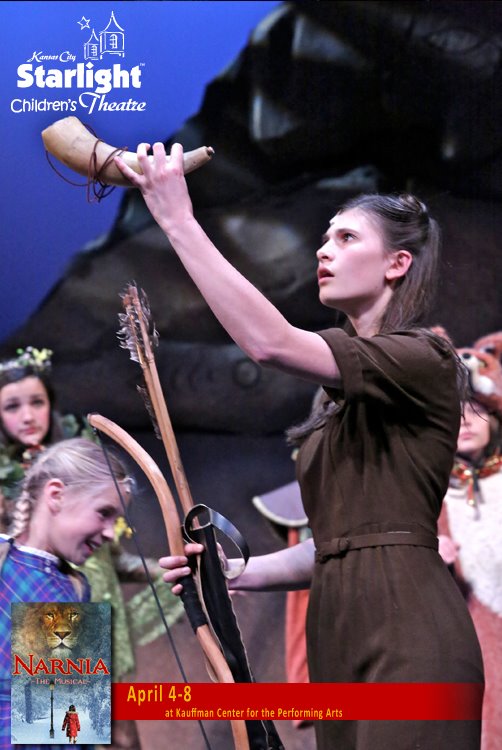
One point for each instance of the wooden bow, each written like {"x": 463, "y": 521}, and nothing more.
{"x": 137, "y": 334}
{"x": 205, "y": 637}
{"x": 220, "y": 640}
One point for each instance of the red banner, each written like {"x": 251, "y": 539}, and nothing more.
{"x": 289, "y": 701}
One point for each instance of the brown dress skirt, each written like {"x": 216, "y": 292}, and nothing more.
{"x": 380, "y": 465}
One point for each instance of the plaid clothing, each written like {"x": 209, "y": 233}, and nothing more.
{"x": 27, "y": 575}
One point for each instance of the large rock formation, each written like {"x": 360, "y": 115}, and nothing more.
{"x": 328, "y": 99}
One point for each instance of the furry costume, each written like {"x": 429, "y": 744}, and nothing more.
{"x": 478, "y": 571}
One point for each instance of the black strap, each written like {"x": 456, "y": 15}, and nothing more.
{"x": 217, "y": 521}
{"x": 218, "y": 605}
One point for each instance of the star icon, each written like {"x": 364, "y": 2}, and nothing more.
{"x": 84, "y": 23}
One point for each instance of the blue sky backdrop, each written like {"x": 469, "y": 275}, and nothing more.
{"x": 176, "y": 49}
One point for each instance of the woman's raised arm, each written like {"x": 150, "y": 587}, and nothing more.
{"x": 255, "y": 325}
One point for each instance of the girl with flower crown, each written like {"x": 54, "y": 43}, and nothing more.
{"x": 29, "y": 420}
{"x": 470, "y": 528}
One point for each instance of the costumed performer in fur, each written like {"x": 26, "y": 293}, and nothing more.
{"x": 470, "y": 526}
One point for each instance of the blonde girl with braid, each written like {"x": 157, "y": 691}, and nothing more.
{"x": 67, "y": 509}
{"x": 29, "y": 424}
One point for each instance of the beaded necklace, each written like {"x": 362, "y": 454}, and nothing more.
{"x": 470, "y": 474}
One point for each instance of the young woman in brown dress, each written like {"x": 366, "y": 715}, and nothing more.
{"x": 383, "y": 605}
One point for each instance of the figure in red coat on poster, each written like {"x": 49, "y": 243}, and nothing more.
{"x": 72, "y": 724}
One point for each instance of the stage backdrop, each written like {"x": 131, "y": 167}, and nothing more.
{"x": 161, "y": 54}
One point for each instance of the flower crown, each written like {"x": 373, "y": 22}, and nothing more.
{"x": 38, "y": 360}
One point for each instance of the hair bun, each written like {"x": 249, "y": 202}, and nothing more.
{"x": 411, "y": 202}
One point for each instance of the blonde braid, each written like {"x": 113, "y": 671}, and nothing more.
{"x": 21, "y": 515}
{"x": 27, "y": 499}
{"x": 20, "y": 520}
{"x": 23, "y": 508}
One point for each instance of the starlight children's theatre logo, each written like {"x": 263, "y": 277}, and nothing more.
{"x": 97, "y": 78}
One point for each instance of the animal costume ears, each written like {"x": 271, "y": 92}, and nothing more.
{"x": 440, "y": 331}
{"x": 491, "y": 344}
{"x": 485, "y": 377}
{"x": 484, "y": 364}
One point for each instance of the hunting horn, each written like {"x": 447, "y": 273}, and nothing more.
{"x": 75, "y": 146}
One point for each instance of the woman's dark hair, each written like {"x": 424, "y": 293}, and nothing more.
{"x": 322, "y": 408}
{"x": 494, "y": 417}
{"x": 16, "y": 374}
{"x": 406, "y": 225}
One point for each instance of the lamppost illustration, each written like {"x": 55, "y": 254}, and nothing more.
{"x": 51, "y": 687}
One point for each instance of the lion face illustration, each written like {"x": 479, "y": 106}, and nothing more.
{"x": 61, "y": 625}
{"x": 51, "y": 630}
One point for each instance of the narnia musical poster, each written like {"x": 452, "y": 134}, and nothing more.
{"x": 61, "y": 673}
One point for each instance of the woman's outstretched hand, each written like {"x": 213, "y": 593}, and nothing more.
{"x": 162, "y": 183}
{"x": 177, "y": 566}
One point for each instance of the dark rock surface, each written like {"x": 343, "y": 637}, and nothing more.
{"x": 328, "y": 99}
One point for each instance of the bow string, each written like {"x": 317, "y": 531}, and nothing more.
{"x": 205, "y": 594}
{"x": 190, "y": 598}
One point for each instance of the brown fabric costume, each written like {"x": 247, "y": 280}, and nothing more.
{"x": 389, "y": 612}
